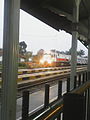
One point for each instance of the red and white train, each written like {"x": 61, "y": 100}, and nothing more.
{"x": 55, "y": 58}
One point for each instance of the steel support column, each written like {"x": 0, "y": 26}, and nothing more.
{"x": 88, "y": 114}
{"x": 10, "y": 59}
{"x": 74, "y": 42}
{"x": 89, "y": 80}
{"x": 89, "y": 48}
{"x": 88, "y": 62}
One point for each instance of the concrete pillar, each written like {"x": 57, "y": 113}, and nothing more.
{"x": 74, "y": 42}
{"x": 10, "y": 59}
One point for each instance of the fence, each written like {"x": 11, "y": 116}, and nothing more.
{"x": 54, "y": 110}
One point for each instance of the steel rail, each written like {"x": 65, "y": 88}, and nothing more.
{"x": 42, "y": 74}
{"x": 36, "y": 70}
{"x": 32, "y": 83}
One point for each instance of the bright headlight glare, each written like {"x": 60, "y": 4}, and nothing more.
{"x": 49, "y": 61}
{"x": 41, "y": 61}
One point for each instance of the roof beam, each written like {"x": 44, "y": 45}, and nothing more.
{"x": 59, "y": 12}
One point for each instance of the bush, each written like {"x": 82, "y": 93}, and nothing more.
{"x": 22, "y": 65}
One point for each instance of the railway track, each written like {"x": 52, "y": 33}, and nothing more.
{"x": 56, "y": 71}
{"x": 33, "y": 74}
{"x": 29, "y": 74}
{"x": 57, "y": 75}
{"x": 36, "y": 70}
{"x": 30, "y": 80}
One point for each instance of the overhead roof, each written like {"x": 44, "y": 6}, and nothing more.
{"x": 59, "y": 13}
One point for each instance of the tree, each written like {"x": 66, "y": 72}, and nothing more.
{"x": 68, "y": 52}
{"x": 22, "y": 48}
{"x": 62, "y": 52}
{"x": 80, "y": 53}
{"x": 28, "y": 55}
{"x": 40, "y": 53}
{"x": 36, "y": 58}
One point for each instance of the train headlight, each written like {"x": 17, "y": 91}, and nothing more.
{"x": 42, "y": 61}
{"x": 49, "y": 61}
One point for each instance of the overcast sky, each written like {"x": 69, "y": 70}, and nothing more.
{"x": 38, "y": 35}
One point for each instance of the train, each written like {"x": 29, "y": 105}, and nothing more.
{"x": 55, "y": 58}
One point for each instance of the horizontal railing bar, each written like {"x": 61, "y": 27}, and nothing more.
{"x": 82, "y": 88}
{"x": 36, "y": 113}
{"x": 51, "y": 109}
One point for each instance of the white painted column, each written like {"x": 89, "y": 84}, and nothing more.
{"x": 10, "y": 59}
{"x": 74, "y": 42}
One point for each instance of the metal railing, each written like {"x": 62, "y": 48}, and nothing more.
{"x": 54, "y": 110}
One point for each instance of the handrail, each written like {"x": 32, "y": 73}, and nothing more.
{"x": 82, "y": 88}
{"x": 56, "y": 108}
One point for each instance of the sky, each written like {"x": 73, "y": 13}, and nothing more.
{"x": 37, "y": 35}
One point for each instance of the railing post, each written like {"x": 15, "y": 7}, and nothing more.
{"x": 79, "y": 81}
{"x": 86, "y": 76}
{"x": 59, "y": 96}
{"x": 88, "y": 98}
{"x": 25, "y": 105}
{"x": 75, "y": 82}
{"x": 59, "y": 117}
{"x": 85, "y": 94}
{"x": 88, "y": 110}
{"x": 59, "y": 89}
{"x": 68, "y": 84}
{"x": 46, "y": 99}
{"x": 83, "y": 80}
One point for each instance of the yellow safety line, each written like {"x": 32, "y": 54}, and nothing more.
{"x": 53, "y": 112}
{"x": 29, "y": 72}
{"x": 20, "y": 72}
{"x": 19, "y": 79}
{"x": 32, "y": 77}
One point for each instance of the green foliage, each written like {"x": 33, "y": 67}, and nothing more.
{"x": 80, "y": 53}
{"x": 22, "y": 48}
{"x": 28, "y": 55}
{"x": 22, "y": 65}
{"x": 68, "y": 52}
{"x": 22, "y": 51}
{"x": 36, "y": 58}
